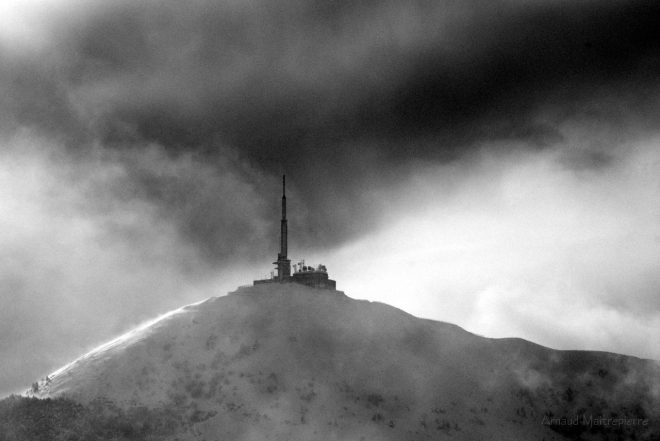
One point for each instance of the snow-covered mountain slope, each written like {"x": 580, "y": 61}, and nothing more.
{"x": 287, "y": 362}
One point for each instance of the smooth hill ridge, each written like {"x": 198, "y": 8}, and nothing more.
{"x": 288, "y": 362}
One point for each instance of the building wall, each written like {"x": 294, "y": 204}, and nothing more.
{"x": 314, "y": 279}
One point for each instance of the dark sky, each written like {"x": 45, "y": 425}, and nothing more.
{"x": 143, "y": 144}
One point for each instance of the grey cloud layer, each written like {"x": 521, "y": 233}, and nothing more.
{"x": 331, "y": 91}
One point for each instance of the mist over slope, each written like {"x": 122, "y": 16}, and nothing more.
{"x": 283, "y": 361}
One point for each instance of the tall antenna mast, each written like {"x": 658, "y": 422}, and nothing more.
{"x": 315, "y": 277}
{"x": 283, "y": 224}
{"x": 283, "y": 264}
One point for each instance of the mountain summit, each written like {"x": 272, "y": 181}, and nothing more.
{"x": 290, "y": 362}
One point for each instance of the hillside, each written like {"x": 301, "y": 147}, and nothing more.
{"x": 286, "y": 362}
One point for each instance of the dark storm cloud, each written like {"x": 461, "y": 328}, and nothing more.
{"x": 331, "y": 91}
{"x": 301, "y": 86}
{"x": 272, "y": 79}
{"x": 340, "y": 95}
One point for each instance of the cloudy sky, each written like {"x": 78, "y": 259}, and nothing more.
{"x": 492, "y": 163}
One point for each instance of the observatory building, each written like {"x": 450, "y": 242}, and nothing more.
{"x": 315, "y": 277}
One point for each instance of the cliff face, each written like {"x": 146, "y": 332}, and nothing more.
{"x": 283, "y": 361}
